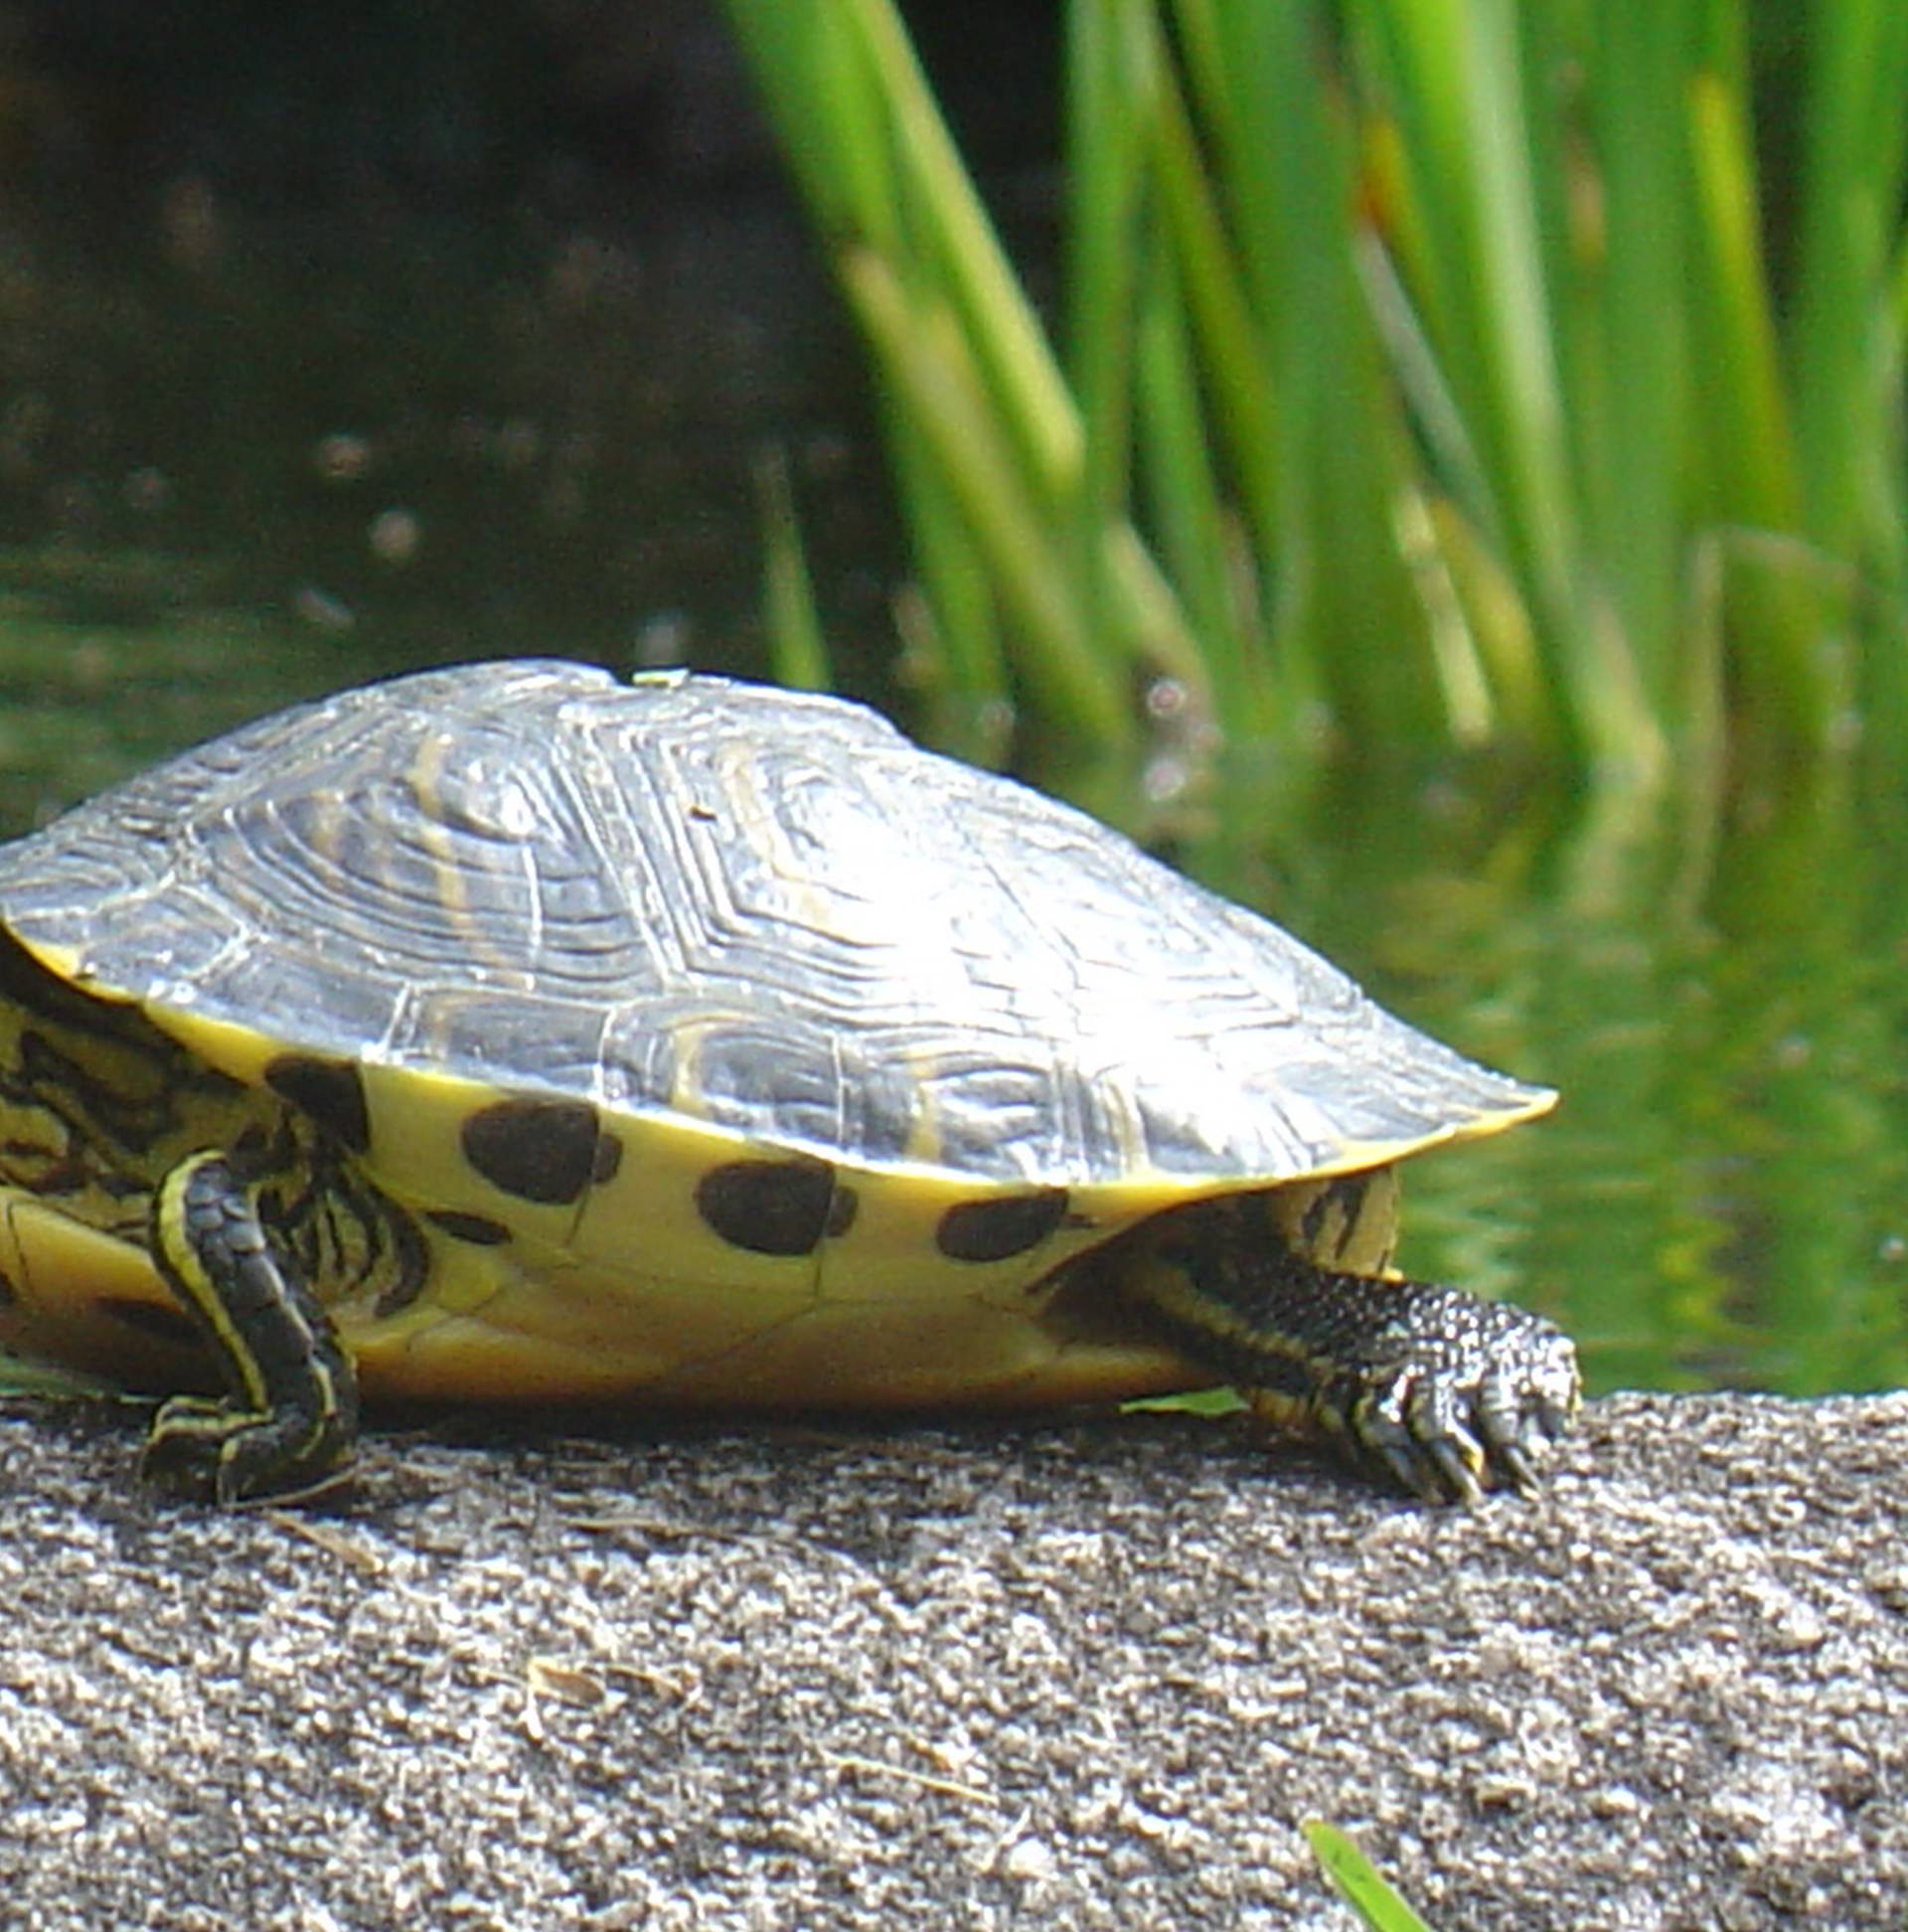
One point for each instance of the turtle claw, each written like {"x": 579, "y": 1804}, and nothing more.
{"x": 1401, "y": 1456}
{"x": 1455, "y": 1468}
{"x": 1413, "y": 1425}
{"x": 1456, "y": 1411}
{"x": 1521, "y": 1470}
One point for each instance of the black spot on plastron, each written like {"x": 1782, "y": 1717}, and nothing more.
{"x": 1000, "y": 1227}
{"x": 9, "y": 1294}
{"x": 608, "y": 1161}
{"x": 537, "y": 1150}
{"x": 331, "y": 1091}
{"x": 779, "y": 1207}
{"x": 478, "y": 1229}
{"x": 841, "y": 1210}
{"x": 150, "y": 1320}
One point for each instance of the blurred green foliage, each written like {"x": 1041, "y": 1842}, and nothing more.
{"x": 1427, "y": 373}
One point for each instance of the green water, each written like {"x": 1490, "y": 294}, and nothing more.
{"x": 1718, "y": 1200}
{"x": 242, "y": 471}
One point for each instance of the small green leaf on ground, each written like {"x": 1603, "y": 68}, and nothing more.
{"x": 1351, "y": 1872}
{"x": 20, "y": 1378}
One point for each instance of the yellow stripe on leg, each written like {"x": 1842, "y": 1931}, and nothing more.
{"x": 185, "y": 1274}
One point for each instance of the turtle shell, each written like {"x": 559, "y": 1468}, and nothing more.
{"x": 714, "y": 1041}
{"x": 764, "y": 912}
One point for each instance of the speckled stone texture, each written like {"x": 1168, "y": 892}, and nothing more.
{"x": 1089, "y": 1676}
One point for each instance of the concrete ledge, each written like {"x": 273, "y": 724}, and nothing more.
{"x": 1088, "y": 1675}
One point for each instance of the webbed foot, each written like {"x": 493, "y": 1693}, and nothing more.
{"x": 1458, "y": 1396}
{"x": 1447, "y": 1394}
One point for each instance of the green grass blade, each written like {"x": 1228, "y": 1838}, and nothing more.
{"x": 826, "y": 106}
{"x": 1107, "y": 111}
{"x": 948, "y": 402}
{"x": 1201, "y": 546}
{"x": 1751, "y": 475}
{"x": 1750, "y": 481}
{"x": 1357, "y": 1881}
{"x": 1004, "y": 332}
{"x": 1234, "y": 355}
{"x": 19, "y": 1377}
{"x": 1108, "y": 105}
{"x": 1638, "y": 456}
{"x": 1856, "y": 125}
{"x": 797, "y": 647}
{"x": 953, "y": 652}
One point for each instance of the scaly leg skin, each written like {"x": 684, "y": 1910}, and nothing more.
{"x": 1449, "y": 1393}
{"x": 288, "y": 1427}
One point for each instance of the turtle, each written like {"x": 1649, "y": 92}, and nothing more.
{"x": 513, "y": 1033}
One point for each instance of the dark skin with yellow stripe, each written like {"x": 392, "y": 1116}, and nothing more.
{"x": 288, "y": 1428}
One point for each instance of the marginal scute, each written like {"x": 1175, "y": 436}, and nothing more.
{"x": 999, "y": 1226}
{"x": 331, "y": 1091}
{"x": 772, "y": 1207}
{"x": 535, "y": 1149}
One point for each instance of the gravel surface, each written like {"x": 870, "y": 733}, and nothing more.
{"x": 1088, "y": 1675}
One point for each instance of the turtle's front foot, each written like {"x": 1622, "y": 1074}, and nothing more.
{"x": 1448, "y": 1394}
{"x": 1455, "y": 1395}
